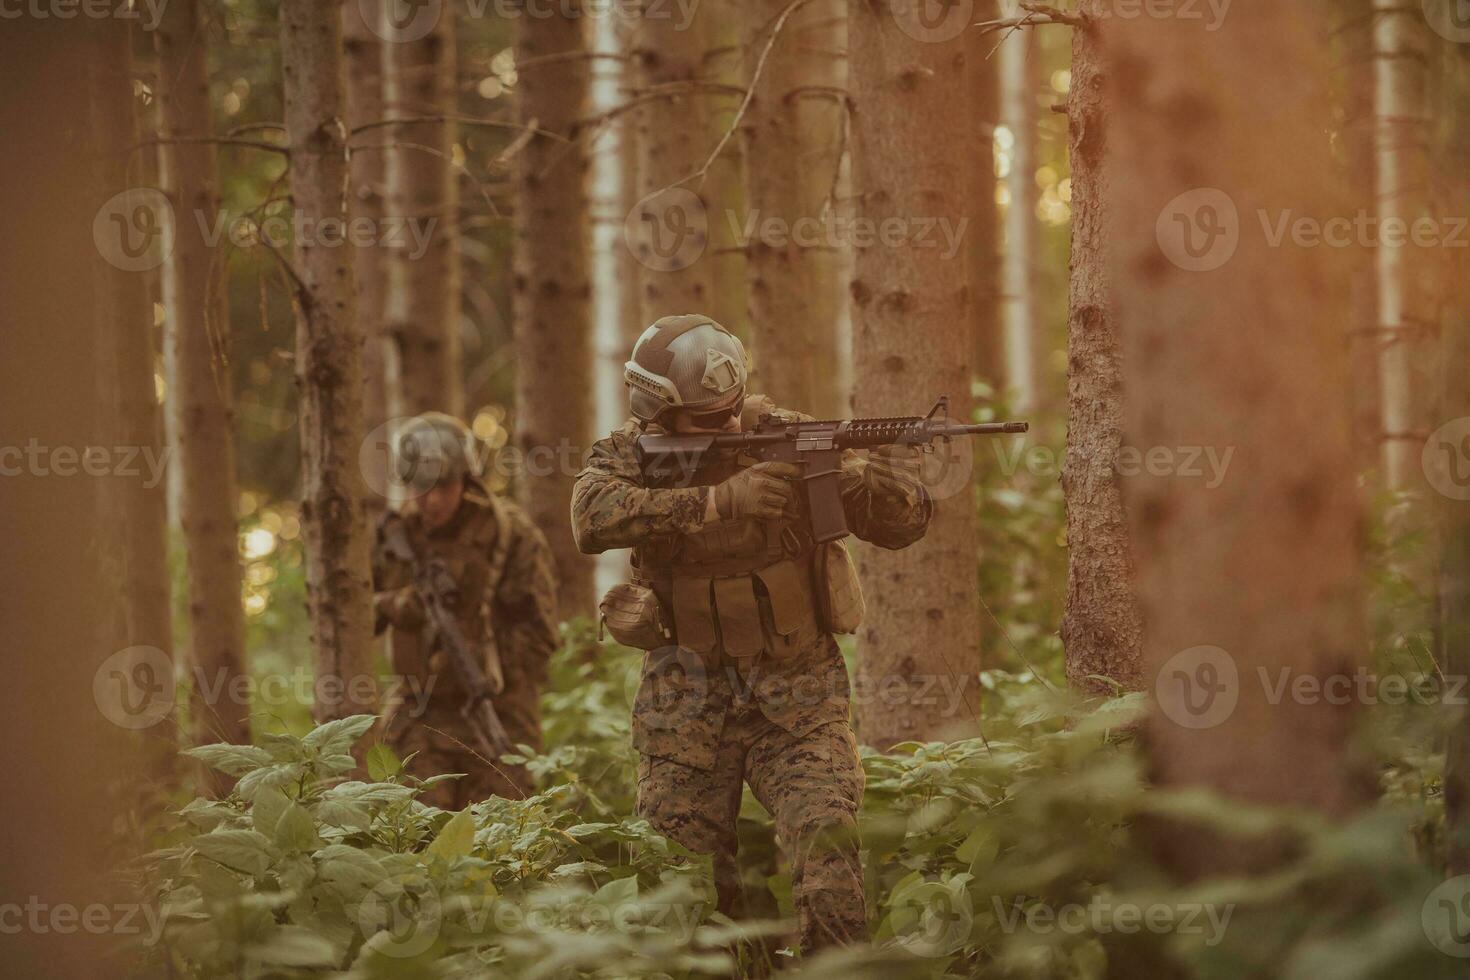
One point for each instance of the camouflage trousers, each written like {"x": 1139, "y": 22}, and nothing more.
{"x": 811, "y": 785}
{"x": 437, "y": 738}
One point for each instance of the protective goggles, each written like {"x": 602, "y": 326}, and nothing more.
{"x": 715, "y": 418}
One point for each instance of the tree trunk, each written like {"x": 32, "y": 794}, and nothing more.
{"x": 1355, "y": 69}
{"x": 1453, "y": 197}
{"x": 421, "y": 309}
{"x": 722, "y": 27}
{"x": 59, "y": 671}
{"x": 793, "y": 133}
{"x": 1256, "y": 578}
{"x": 553, "y": 312}
{"x": 196, "y": 305}
{"x": 912, "y": 340}
{"x": 328, "y": 365}
{"x": 366, "y": 202}
{"x": 1407, "y": 374}
{"x": 136, "y": 528}
{"x": 670, "y": 226}
{"x": 1102, "y": 627}
{"x": 1020, "y": 69}
{"x": 982, "y": 233}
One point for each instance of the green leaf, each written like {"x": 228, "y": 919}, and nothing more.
{"x": 246, "y": 851}
{"x": 349, "y": 871}
{"x": 339, "y": 734}
{"x": 382, "y": 764}
{"x": 234, "y": 760}
{"x": 296, "y": 831}
{"x": 457, "y": 838}
{"x": 268, "y": 777}
{"x": 266, "y": 811}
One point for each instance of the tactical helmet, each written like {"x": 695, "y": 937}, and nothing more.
{"x": 684, "y": 362}
{"x": 433, "y": 448}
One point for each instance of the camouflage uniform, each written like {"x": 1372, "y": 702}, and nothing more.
{"x": 752, "y": 687}
{"x": 495, "y": 554}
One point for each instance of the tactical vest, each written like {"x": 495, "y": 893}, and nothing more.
{"x": 475, "y": 548}
{"x": 748, "y": 586}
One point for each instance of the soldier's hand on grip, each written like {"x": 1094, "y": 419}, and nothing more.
{"x": 894, "y": 470}
{"x": 764, "y": 492}
{"x": 402, "y": 607}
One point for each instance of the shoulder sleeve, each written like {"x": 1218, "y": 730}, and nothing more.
{"x": 527, "y": 595}
{"x": 612, "y": 509}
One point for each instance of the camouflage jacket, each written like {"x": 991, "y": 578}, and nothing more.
{"x": 798, "y": 680}
{"x": 503, "y": 567}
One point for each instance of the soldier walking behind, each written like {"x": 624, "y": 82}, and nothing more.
{"x": 499, "y": 567}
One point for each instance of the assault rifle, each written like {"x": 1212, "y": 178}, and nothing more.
{"x": 439, "y": 593}
{"x": 814, "y": 446}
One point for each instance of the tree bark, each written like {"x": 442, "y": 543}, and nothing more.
{"x": 133, "y": 534}
{"x": 553, "y": 312}
{"x": 671, "y": 230}
{"x": 1020, "y": 64}
{"x": 1408, "y": 374}
{"x": 59, "y": 841}
{"x": 196, "y": 305}
{"x": 367, "y": 196}
{"x": 1101, "y": 627}
{"x": 1257, "y": 578}
{"x": 421, "y": 309}
{"x": 328, "y": 364}
{"x": 982, "y": 233}
{"x": 723, "y": 25}
{"x": 912, "y": 340}
{"x": 794, "y": 133}
{"x": 1453, "y": 197}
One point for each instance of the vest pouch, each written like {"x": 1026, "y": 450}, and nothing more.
{"x": 741, "y": 634}
{"x": 633, "y": 616}
{"x": 694, "y": 620}
{"x": 845, "y": 606}
{"x": 792, "y": 620}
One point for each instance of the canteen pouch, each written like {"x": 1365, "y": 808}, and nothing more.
{"x": 845, "y": 606}
{"x": 631, "y": 613}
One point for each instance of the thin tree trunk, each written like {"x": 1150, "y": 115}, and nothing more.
{"x": 1020, "y": 70}
{"x": 421, "y": 309}
{"x": 196, "y": 305}
{"x": 794, "y": 133}
{"x": 912, "y": 340}
{"x": 671, "y": 228}
{"x": 1102, "y": 627}
{"x": 328, "y": 364}
{"x": 553, "y": 312}
{"x": 1258, "y": 577}
{"x": 137, "y": 508}
{"x": 723, "y": 23}
{"x": 367, "y": 190}
{"x": 1407, "y": 373}
{"x": 982, "y": 232}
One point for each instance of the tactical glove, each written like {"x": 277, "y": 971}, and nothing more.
{"x": 894, "y": 470}
{"x": 764, "y": 492}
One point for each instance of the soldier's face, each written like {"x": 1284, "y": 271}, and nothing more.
{"x": 725, "y": 419}
{"x": 441, "y": 501}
